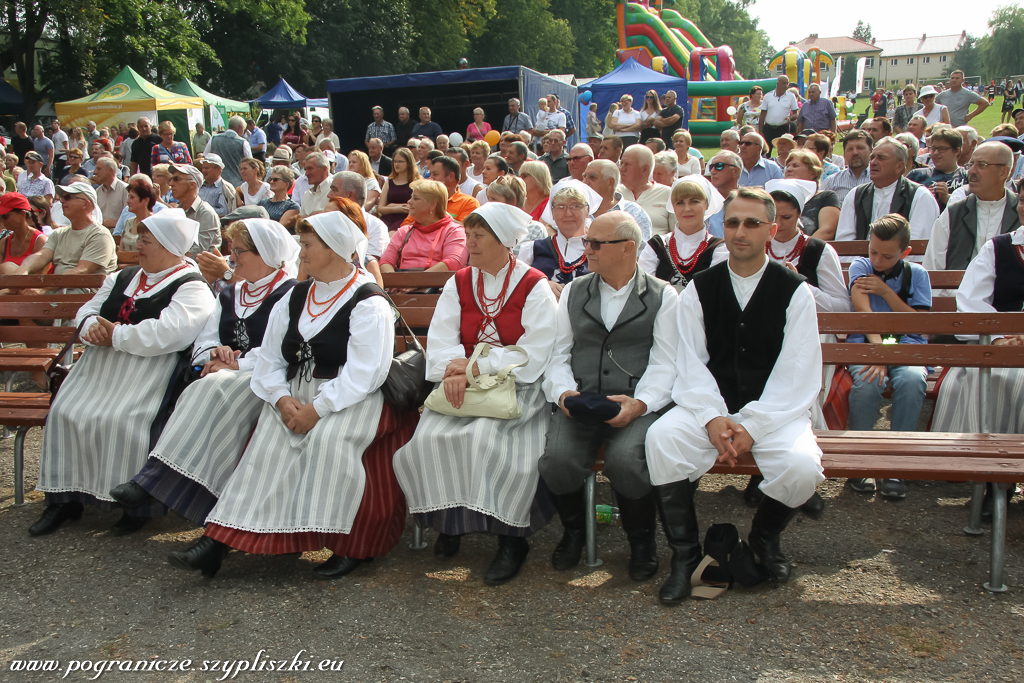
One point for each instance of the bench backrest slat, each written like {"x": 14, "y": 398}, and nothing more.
{"x": 860, "y": 247}
{"x": 918, "y": 323}
{"x": 951, "y": 355}
{"x": 47, "y": 310}
{"x": 51, "y": 281}
{"x": 415, "y": 280}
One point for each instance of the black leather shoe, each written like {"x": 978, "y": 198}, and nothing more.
{"x": 512, "y": 551}
{"x": 338, "y": 566}
{"x": 679, "y": 518}
{"x": 770, "y": 520}
{"x": 572, "y": 511}
{"x": 752, "y": 495}
{"x": 127, "y": 524}
{"x": 988, "y": 500}
{"x": 640, "y": 522}
{"x": 445, "y": 545}
{"x": 814, "y": 506}
{"x": 206, "y": 555}
{"x": 130, "y": 495}
{"x": 53, "y": 516}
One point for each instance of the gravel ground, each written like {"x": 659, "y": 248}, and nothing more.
{"x": 883, "y": 592}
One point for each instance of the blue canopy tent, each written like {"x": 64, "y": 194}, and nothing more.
{"x": 282, "y": 96}
{"x": 450, "y": 95}
{"x": 11, "y": 101}
{"x": 634, "y": 79}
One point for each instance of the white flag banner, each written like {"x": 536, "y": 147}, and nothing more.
{"x": 861, "y": 63}
{"x": 839, "y": 75}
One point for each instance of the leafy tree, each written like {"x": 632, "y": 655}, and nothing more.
{"x": 862, "y": 32}
{"x": 968, "y": 58}
{"x": 1004, "y": 50}
{"x": 524, "y": 32}
{"x": 444, "y": 29}
{"x": 594, "y": 33}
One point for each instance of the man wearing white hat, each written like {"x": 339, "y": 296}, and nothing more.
{"x": 185, "y": 182}
{"x": 84, "y": 247}
{"x": 609, "y": 399}
{"x": 215, "y": 190}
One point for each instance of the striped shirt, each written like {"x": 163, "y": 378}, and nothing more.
{"x": 841, "y": 183}
{"x": 383, "y": 131}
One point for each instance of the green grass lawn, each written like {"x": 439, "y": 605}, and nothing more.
{"x": 984, "y": 123}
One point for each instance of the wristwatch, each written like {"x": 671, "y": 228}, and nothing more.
{"x": 228, "y": 274}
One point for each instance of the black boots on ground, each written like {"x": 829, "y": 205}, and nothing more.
{"x": 770, "y": 520}
{"x": 206, "y": 555}
{"x": 679, "y": 519}
{"x": 572, "y": 510}
{"x": 640, "y": 522}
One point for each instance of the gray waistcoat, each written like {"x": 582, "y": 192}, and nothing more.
{"x": 231, "y": 149}
{"x": 963, "y": 229}
{"x": 612, "y": 362}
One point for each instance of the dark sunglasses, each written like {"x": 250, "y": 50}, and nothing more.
{"x": 720, "y": 165}
{"x": 650, "y": 97}
{"x": 748, "y": 223}
{"x": 596, "y": 245}
{"x": 745, "y": 143}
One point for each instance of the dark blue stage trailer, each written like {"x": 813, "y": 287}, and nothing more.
{"x": 451, "y": 96}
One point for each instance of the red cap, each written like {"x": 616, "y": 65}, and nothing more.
{"x": 13, "y": 200}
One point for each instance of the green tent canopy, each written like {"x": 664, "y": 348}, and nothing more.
{"x": 224, "y": 106}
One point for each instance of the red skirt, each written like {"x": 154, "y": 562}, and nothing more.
{"x": 378, "y": 525}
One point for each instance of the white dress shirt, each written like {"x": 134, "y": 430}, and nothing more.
{"x": 444, "y": 339}
{"x": 978, "y": 287}
{"x": 923, "y": 212}
{"x": 177, "y": 326}
{"x": 571, "y": 250}
{"x": 686, "y": 245}
{"x": 209, "y": 338}
{"x": 371, "y": 345}
{"x": 793, "y": 385}
{"x": 831, "y": 295}
{"x": 655, "y": 386}
{"x": 990, "y": 222}
{"x": 315, "y": 198}
{"x": 377, "y": 234}
{"x": 657, "y": 202}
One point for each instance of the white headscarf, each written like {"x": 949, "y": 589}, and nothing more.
{"x": 276, "y": 246}
{"x": 800, "y": 190}
{"x": 340, "y": 234}
{"x": 593, "y": 198}
{"x": 510, "y": 224}
{"x": 715, "y": 200}
{"x": 173, "y": 230}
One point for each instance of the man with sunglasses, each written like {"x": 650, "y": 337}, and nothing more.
{"x": 580, "y": 157}
{"x": 724, "y": 169}
{"x": 748, "y": 335}
{"x": 611, "y": 375}
{"x": 756, "y": 170}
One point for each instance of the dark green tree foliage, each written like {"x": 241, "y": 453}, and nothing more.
{"x": 1004, "y": 49}
{"x": 968, "y": 58}
{"x": 524, "y": 32}
{"x": 443, "y": 30}
{"x": 862, "y": 32}
{"x": 594, "y": 34}
{"x": 727, "y": 22}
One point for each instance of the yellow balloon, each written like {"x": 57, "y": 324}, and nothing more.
{"x": 492, "y": 138}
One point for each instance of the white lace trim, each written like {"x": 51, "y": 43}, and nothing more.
{"x": 281, "y": 530}
{"x": 185, "y": 473}
{"x": 474, "y": 508}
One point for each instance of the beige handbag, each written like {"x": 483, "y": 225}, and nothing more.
{"x": 488, "y": 395}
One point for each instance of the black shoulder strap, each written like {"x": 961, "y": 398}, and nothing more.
{"x": 905, "y": 285}
{"x": 812, "y": 254}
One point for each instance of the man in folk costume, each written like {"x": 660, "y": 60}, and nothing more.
{"x": 747, "y": 373}
{"x": 611, "y": 375}
{"x": 108, "y": 415}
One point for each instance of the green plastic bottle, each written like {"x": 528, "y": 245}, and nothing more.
{"x": 606, "y": 514}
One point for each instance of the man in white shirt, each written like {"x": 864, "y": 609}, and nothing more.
{"x": 60, "y": 149}
{"x": 111, "y": 192}
{"x": 615, "y": 342}
{"x": 748, "y": 368}
{"x": 318, "y": 174}
{"x": 888, "y": 192}
{"x": 603, "y": 177}
{"x": 349, "y": 185}
{"x": 635, "y": 168}
{"x": 778, "y": 108}
{"x": 990, "y": 209}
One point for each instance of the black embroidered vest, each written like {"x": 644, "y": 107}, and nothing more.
{"x": 1008, "y": 291}
{"x": 864, "y": 200}
{"x": 667, "y": 270}
{"x": 243, "y": 334}
{"x": 147, "y": 308}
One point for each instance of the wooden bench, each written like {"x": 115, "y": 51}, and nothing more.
{"x": 127, "y": 258}
{"x": 25, "y": 410}
{"x": 860, "y": 247}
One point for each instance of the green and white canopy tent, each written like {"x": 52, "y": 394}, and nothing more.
{"x": 216, "y": 109}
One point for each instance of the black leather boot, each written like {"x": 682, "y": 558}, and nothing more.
{"x": 131, "y": 495}
{"x": 206, "y": 555}
{"x": 339, "y": 565}
{"x": 640, "y": 522}
{"x": 512, "y": 552}
{"x": 447, "y": 546}
{"x": 127, "y": 524}
{"x": 752, "y": 495}
{"x": 679, "y": 519}
{"x": 770, "y": 520}
{"x": 53, "y": 516}
{"x": 814, "y": 506}
{"x": 572, "y": 510}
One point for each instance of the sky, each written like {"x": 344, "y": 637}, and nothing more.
{"x": 936, "y": 17}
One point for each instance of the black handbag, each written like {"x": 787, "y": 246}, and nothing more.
{"x": 57, "y": 373}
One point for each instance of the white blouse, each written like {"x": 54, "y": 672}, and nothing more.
{"x": 263, "y": 192}
{"x": 793, "y": 385}
{"x": 655, "y": 386}
{"x": 571, "y": 249}
{"x": 977, "y": 290}
{"x": 686, "y": 245}
{"x": 209, "y": 338}
{"x": 370, "y": 348}
{"x": 444, "y": 339}
{"x": 376, "y": 234}
{"x": 178, "y": 325}
{"x": 831, "y": 296}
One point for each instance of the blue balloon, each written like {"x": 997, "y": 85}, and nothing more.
{"x": 586, "y": 96}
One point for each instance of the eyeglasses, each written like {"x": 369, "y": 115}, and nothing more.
{"x": 939, "y": 149}
{"x": 980, "y": 165}
{"x": 273, "y": 178}
{"x": 567, "y": 207}
{"x": 595, "y": 245}
{"x": 750, "y": 142}
{"x": 577, "y": 158}
{"x": 748, "y": 223}
{"x": 721, "y": 165}
{"x": 67, "y": 197}
{"x": 238, "y": 252}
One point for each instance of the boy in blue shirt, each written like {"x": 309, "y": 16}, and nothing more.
{"x": 885, "y": 281}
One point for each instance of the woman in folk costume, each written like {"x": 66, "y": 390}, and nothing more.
{"x": 677, "y": 256}
{"x": 317, "y": 472}
{"x": 139, "y": 328}
{"x": 214, "y": 418}
{"x": 466, "y": 474}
